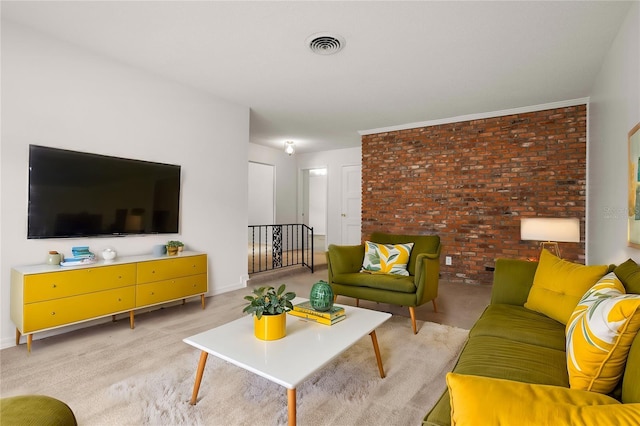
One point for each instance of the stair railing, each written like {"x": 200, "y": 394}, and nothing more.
{"x": 280, "y": 246}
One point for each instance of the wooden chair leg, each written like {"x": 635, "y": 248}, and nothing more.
{"x": 357, "y": 303}
{"x": 412, "y": 313}
{"x": 435, "y": 307}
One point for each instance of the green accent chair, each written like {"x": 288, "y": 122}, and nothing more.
{"x": 421, "y": 286}
{"x": 35, "y": 410}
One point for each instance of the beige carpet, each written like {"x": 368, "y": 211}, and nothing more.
{"x": 110, "y": 375}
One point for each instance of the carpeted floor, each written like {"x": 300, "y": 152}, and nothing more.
{"x": 111, "y": 375}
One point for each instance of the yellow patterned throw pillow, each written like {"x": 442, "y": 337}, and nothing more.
{"x": 386, "y": 258}
{"x": 558, "y": 285}
{"x": 599, "y": 335}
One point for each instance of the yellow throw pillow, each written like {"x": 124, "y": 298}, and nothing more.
{"x": 558, "y": 285}
{"x": 386, "y": 258}
{"x": 599, "y": 335}
{"x": 479, "y": 400}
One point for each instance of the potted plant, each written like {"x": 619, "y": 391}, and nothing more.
{"x": 180, "y": 245}
{"x": 269, "y": 307}
{"x": 172, "y": 247}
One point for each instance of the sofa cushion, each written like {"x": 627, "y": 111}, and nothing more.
{"x": 398, "y": 283}
{"x": 631, "y": 377}
{"x": 520, "y": 324}
{"x": 508, "y": 359}
{"x": 502, "y": 358}
{"x": 386, "y": 258}
{"x": 599, "y": 335}
{"x": 486, "y": 401}
{"x": 558, "y": 285}
{"x": 629, "y": 274}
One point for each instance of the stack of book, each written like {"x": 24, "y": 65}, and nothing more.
{"x": 330, "y": 317}
{"x": 81, "y": 256}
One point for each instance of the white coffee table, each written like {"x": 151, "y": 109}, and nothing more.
{"x": 312, "y": 345}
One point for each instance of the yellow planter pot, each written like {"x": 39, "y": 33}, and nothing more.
{"x": 270, "y": 327}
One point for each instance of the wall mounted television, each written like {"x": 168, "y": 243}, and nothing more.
{"x": 78, "y": 194}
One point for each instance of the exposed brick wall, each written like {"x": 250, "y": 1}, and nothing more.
{"x": 471, "y": 182}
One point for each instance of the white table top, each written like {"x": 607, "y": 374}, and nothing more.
{"x": 306, "y": 348}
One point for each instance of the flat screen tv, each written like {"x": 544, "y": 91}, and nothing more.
{"x": 77, "y": 194}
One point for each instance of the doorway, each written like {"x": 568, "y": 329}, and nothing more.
{"x": 314, "y": 205}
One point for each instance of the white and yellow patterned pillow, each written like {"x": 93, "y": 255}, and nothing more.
{"x": 599, "y": 335}
{"x": 386, "y": 258}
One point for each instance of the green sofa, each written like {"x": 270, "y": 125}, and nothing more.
{"x": 420, "y": 286}
{"x": 514, "y": 343}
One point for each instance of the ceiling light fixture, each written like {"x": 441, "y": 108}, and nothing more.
{"x": 325, "y": 43}
{"x": 289, "y": 147}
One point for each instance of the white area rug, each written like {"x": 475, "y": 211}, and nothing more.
{"x": 349, "y": 391}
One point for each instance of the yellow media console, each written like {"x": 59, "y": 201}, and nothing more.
{"x": 44, "y": 297}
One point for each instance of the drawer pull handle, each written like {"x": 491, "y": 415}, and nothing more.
{"x": 153, "y": 272}
{"x": 54, "y": 286}
{"x": 119, "y": 300}
{"x": 53, "y": 313}
{"x": 152, "y": 293}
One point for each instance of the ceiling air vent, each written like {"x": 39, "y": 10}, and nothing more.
{"x": 325, "y": 43}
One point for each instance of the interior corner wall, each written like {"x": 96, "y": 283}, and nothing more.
{"x": 286, "y": 179}
{"x": 614, "y": 109}
{"x": 471, "y": 181}
{"x": 333, "y": 161}
{"x": 287, "y": 168}
{"x": 59, "y": 95}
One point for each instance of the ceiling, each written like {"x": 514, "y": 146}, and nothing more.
{"x": 403, "y": 62}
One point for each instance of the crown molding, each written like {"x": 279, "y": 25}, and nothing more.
{"x": 469, "y": 117}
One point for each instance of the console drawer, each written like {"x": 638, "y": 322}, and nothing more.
{"x": 166, "y": 269}
{"x": 52, "y": 313}
{"x": 163, "y": 291}
{"x": 55, "y": 285}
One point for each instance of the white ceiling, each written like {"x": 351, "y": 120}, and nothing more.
{"x": 403, "y": 62}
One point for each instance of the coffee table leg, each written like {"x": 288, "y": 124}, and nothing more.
{"x": 291, "y": 397}
{"x": 374, "y": 339}
{"x": 196, "y": 386}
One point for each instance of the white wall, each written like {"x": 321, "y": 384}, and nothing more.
{"x": 333, "y": 161}
{"x": 613, "y": 110}
{"x": 288, "y": 198}
{"x": 58, "y": 95}
{"x": 286, "y": 179}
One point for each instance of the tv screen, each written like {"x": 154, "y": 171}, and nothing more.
{"x": 77, "y": 194}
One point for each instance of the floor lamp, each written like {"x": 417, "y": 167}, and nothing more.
{"x": 550, "y": 231}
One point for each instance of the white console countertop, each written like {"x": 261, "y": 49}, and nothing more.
{"x": 44, "y": 267}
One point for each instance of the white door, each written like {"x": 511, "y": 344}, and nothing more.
{"x": 351, "y": 205}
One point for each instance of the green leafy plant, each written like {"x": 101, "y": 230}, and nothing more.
{"x": 175, "y": 244}
{"x": 268, "y": 301}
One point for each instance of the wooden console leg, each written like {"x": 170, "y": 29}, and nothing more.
{"x": 196, "y": 386}
{"x": 376, "y": 349}
{"x": 29, "y": 340}
{"x": 435, "y": 307}
{"x": 291, "y": 405}
{"x": 18, "y": 335}
{"x": 412, "y": 312}
{"x": 357, "y": 303}
{"x": 132, "y": 321}
{"x": 113, "y": 318}
{"x": 202, "y": 300}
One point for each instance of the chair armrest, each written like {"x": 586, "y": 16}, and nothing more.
{"x": 344, "y": 259}
{"x": 512, "y": 281}
{"x": 427, "y": 276}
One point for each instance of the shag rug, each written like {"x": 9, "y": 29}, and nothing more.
{"x": 348, "y": 391}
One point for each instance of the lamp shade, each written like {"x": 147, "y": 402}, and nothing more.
{"x": 564, "y": 230}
